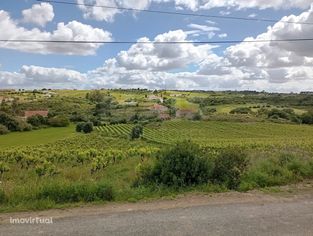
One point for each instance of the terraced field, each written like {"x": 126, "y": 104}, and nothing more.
{"x": 216, "y": 133}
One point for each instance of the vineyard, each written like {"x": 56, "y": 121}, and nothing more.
{"x": 218, "y": 133}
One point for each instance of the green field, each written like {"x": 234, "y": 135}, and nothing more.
{"x": 217, "y": 133}
{"x": 36, "y": 137}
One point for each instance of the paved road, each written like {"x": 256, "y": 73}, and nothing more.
{"x": 293, "y": 217}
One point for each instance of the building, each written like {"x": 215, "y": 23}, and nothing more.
{"x": 28, "y": 114}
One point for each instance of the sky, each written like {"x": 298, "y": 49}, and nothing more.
{"x": 269, "y": 66}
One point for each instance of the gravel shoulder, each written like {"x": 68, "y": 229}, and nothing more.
{"x": 288, "y": 211}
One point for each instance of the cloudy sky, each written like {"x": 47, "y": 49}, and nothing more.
{"x": 278, "y": 67}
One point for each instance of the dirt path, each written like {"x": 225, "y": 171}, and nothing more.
{"x": 289, "y": 212}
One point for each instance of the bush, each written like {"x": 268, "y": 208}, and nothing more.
{"x": 229, "y": 167}
{"x": 307, "y": 118}
{"x": 76, "y": 192}
{"x": 9, "y": 121}
{"x": 80, "y": 126}
{"x": 3, "y": 130}
{"x": 37, "y": 120}
{"x": 3, "y": 197}
{"x": 276, "y": 171}
{"x": 59, "y": 121}
{"x": 88, "y": 127}
{"x": 241, "y": 110}
{"x": 136, "y": 132}
{"x": 196, "y": 117}
{"x": 179, "y": 166}
{"x": 24, "y": 126}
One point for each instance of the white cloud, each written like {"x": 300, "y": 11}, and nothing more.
{"x": 39, "y": 14}
{"x": 71, "y": 31}
{"x": 36, "y": 77}
{"x": 108, "y": 14}
{"x": 162, "y": 57}
{"x": 260, "y": 4}
{"x": 222, "y": 36}
{"x": 282, "y": 67}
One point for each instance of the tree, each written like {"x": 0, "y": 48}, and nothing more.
{"x": 95, "y": 96}
{"x": 59, "y": 121}
{"x": 88, "y": 127}
{"x": 136, "y": 132}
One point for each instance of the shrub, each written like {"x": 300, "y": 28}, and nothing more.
{"x": 196, "y": 117}
{"x": 59, "y": 121}
{"x": 136, "y": 132}
{"x": 3, "y": 197}
{"x": 24, "y": 126}
{"x": 76, "y": 192}
{"x": 88, "y": 127}
{"x": 80, "y": 126}
{"x": 179, "y": 166}
{"x": 307, "y": 118}
{"x": 229, "y": 167}
{"x": 241, "y": 110}
{"x": 37, "y": 120}
{"x": 9, "y": 121}
{"x": 3, "y": 130}
{"x": 276, "y": 171}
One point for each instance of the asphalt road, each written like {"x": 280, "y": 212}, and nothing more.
{"x": 292, "y": 217}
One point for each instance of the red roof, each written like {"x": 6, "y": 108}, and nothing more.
{"x": 33, "y": 113}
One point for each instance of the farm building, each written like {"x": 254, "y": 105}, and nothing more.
{"x": 28, "y": 114}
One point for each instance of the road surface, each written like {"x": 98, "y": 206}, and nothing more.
{"x": 220, "y": 214}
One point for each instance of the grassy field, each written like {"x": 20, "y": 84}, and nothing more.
{"x": 36, "y": 137}
{"x": 218, "y": 133}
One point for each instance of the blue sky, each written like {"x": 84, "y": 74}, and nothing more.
{"x": 80, "y": 69}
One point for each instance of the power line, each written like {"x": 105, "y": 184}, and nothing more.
{"x": 154, "y": 42}
{"x": 178, "y": 13}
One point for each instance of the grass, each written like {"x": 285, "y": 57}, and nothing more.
{"x": 219, "y": 133}
{"x": 36, "y": 137}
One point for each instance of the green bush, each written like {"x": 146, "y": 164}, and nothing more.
{"x": 136, "y": 132}
{"x": 179, "y": 166}
{"x": 59, "y": 121}
{"x": 229, "y": 167}
{"x": 37, "y": 120}
{"x": 75, "y": 192}
{"x": 9, "y": 121}
{"x": 3, "y": 197}
{"x": 3, "y": 130}
{"x": 276, "y": 171}
{"x": 241, "y": 110}
{"x": 307, "y": 118}
{"x": 80, "y": 126}
{"x": 88, "y": 127}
